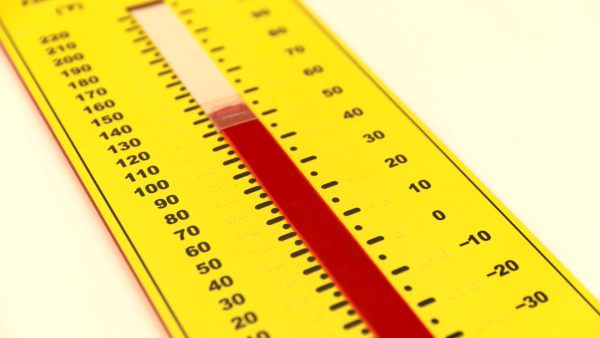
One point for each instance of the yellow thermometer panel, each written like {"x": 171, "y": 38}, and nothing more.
{"x": 262, "y": 182}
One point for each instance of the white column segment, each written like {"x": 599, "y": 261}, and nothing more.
{"x": 189, "y": 61}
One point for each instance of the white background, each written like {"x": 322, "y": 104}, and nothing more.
{"x": 510, "y": 86}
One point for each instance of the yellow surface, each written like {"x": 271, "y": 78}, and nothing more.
{"x": 283, "y": 300}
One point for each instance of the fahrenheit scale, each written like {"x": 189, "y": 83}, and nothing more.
{"x": 261, "y": 182}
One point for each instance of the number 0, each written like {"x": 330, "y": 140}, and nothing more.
{"x": 439, "y": 215}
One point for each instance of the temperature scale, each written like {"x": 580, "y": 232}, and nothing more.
{"x": 262, "y": 182}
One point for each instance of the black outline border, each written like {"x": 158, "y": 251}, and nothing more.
{"x": 16, "y": 49}
{"x": 351, "y": 57}
{"x": 375, "y": 81}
